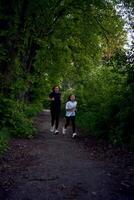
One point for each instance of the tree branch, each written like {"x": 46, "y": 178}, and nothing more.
{"x": 59, "y": 11}
{"x": 103, "y": 29}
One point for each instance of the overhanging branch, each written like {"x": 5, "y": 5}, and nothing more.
{"x": 103, "y": 29}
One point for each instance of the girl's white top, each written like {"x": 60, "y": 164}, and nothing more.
{"x": 71, "y": 105}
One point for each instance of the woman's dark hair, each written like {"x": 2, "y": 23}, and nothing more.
{"x": 55, "y": 87}
{"x": 70, "y": 97}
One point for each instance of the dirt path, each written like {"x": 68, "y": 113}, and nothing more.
{"x": 58, "y": 167}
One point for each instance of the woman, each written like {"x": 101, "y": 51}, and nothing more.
{"x": 55, "y": 106}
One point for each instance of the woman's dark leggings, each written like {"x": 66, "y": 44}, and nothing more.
{"x": 72, "y": 119}
{"x": 55, "y": 115}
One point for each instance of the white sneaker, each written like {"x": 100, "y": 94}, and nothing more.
{"x": 52, "y": 129}
{"x": 74, "y": 135}
{"x": 56, "y": 132}
{"x": 63, "y": 131}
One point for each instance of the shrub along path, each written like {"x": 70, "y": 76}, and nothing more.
{"x": 50, "y": 167}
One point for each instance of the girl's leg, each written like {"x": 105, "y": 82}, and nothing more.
{"x": 73, "y": 123}
{"x": 67, "y": 122}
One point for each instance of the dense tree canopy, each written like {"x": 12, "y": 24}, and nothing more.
{"x": 76, "y": 44}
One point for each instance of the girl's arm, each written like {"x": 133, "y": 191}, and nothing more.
{"x": 69, "y": 108}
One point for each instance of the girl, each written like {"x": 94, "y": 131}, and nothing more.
{"x": 55, "y": 106}
{"x": 70, "y": 114}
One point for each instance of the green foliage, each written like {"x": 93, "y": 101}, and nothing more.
{"x": 4, "y": 138}
{"x": 70, "y": 43}
{"x": 13, "y": 116}
{"x": 20, "y": 125}
{"x": 107, "y": 109}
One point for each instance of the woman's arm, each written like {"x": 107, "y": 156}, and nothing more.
{"x": 51, "y": 97}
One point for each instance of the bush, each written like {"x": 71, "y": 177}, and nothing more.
{"x": 4, "y": 139}
{"x": 20, "y": 125}
{"x": 14, "y": 116}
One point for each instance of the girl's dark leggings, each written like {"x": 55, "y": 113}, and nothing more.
{"x": 55, "y": 115}
{"x": 72, "y": 119}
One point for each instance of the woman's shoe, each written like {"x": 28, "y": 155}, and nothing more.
{"x": 56, "y": 132}
{"x": 74, "y": 135}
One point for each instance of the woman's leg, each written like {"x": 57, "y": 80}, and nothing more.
{"x": 52, "y": 117}
{"x": 57, "y": 116}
